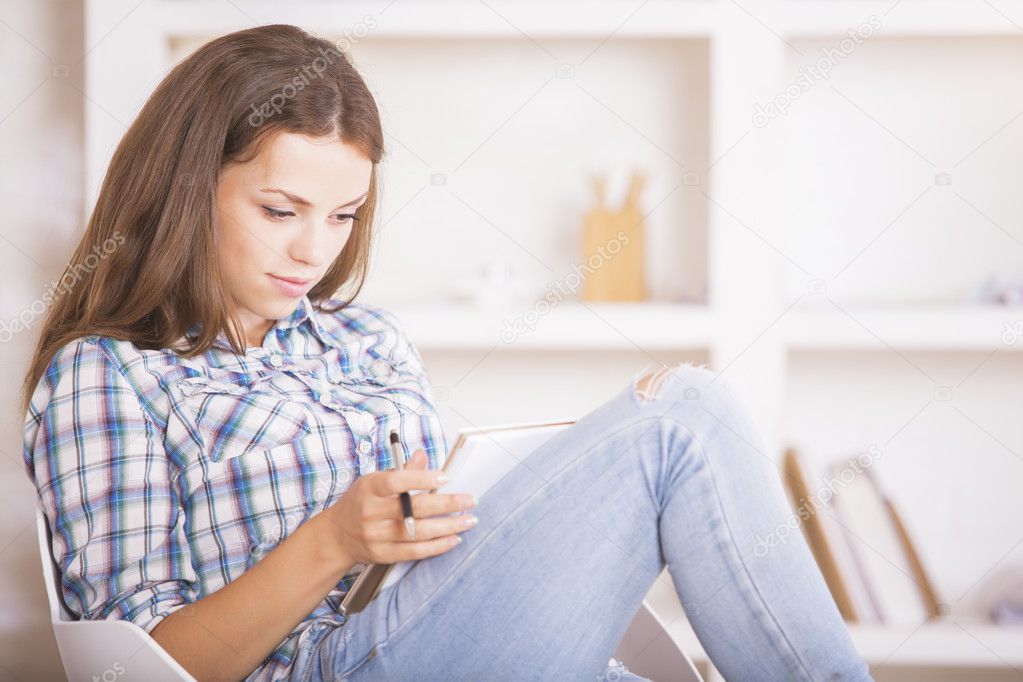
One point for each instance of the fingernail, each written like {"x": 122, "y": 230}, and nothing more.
{"x": 441, "y": 479}
{"x": 458, "y": 539}
{"x": 470, "y": 521}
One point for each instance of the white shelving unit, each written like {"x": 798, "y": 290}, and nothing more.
{"x": 570, "y": 326}
{"x": 963, "y": 328}
{"x": 939, "y": 644}
{"x": 769, "y": 210}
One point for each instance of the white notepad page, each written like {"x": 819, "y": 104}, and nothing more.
{"x": 483, "y": 459}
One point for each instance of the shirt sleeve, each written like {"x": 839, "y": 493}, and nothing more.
{"x": 407, "y": 358}
{"x": 109, "y": 492}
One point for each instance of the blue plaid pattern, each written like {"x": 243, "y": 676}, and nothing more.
{"x": 164, "y": 478}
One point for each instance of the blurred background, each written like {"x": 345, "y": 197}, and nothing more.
{"x": 821, "y": 200}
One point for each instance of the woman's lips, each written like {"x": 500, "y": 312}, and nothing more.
{"x": 291, "y": 286}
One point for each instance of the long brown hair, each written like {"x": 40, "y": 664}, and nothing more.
{"x": 155, "y": 218}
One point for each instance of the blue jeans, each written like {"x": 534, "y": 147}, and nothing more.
{"x": 571, "y": 541}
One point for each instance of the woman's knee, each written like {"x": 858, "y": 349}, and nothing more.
{"x": 684, "y": 381}
{"x": 693, "y": 393}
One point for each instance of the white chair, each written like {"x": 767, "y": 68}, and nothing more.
{"x": 100, "y": 649}
{"x": 119, "y": 649}
{"x": 648, "y": 650}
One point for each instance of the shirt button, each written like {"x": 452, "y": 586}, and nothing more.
{"x": 325, "y": 399}
{"x": 365, "y": 446}
{"x": 276, "y": 360}
{"x": 381, "y": 367}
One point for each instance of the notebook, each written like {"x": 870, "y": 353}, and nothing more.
{"x": 479, "y": 458}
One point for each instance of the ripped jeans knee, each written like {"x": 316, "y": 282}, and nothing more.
{"x": 649, "y": 384}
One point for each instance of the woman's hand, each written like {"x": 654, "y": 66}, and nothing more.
{"x": 366, "y": 525}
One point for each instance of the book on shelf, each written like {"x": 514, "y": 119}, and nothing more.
{"x": 860, "y": 542}
{"x": 827, "y": 543}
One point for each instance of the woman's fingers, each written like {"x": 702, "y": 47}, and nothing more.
{"x": 435, "y": 527}
{"x": 392, "y": 481}
{"x": 432, "y": 504}
{"x": 386, "y": 486}
{"x": 423, "y": 505}
{"x": 393, "y": 530}
{"x": 420, "y": 549}
{"x": 418, "y": 460}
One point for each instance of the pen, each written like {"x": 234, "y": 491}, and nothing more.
{"x": 406, "y": 500}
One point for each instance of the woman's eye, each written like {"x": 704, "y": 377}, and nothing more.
{"x": 276, "y": 214}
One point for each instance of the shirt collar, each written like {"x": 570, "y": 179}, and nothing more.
{"x": 304, "y": 312}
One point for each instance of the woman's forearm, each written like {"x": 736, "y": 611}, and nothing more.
{"x": 226, "y": 635}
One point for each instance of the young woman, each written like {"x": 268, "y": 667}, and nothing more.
{"x": 207, "y": 424}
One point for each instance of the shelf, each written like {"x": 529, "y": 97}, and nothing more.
{"x": 932, "y": 645}
{"x": 570, "y": 325}
{"x": 432, "y": 19}
{"x": 573, "y": 325}
{"x": 936, "y": 644}
{"x": 922, "y": 328}
{"x": 941, "y": 643}
{"x": 690, "y": 18}
{"x": 908, "y": 18}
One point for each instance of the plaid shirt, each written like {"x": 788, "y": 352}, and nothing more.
{"x": 165, "y": 478}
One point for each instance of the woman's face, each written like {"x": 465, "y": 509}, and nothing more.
{"x": 283, "y": 219}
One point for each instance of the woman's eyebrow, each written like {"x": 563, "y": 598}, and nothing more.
{"x": 295, "y": 199}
